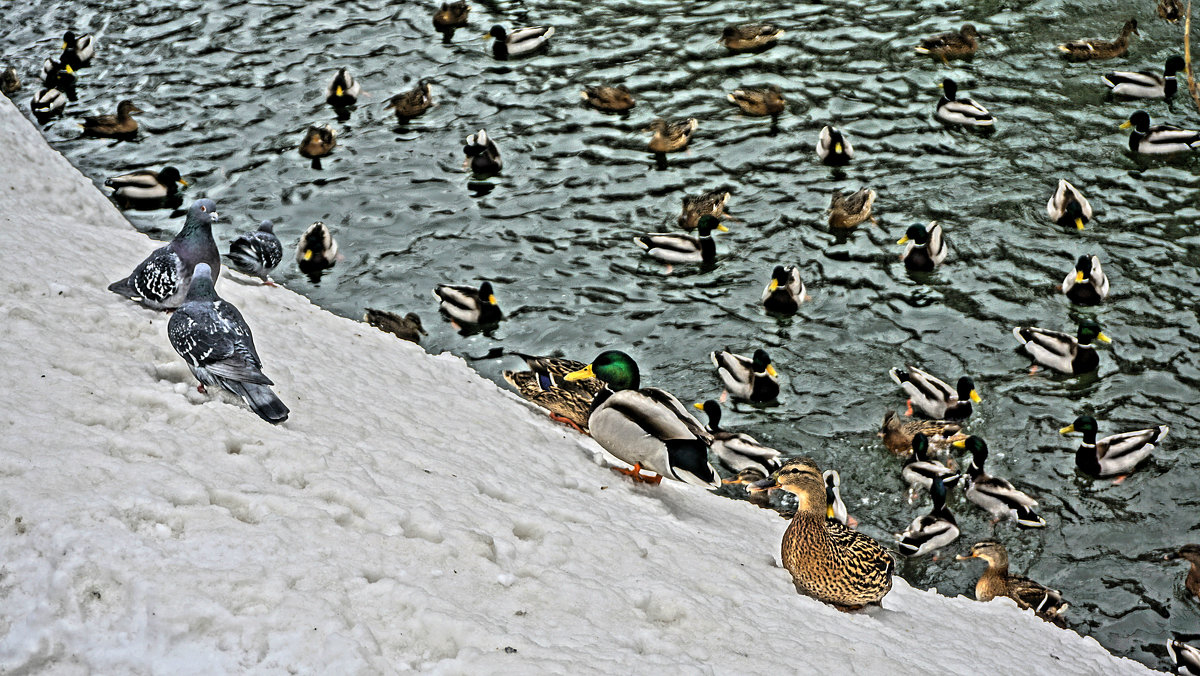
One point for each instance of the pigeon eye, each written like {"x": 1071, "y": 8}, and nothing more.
{"x": 203, "y": 208}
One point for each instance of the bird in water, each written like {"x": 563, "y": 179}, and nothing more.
{"x": 319, "y": 140}
{"x": 482, "y": 154}
{"x": 256, "y": 253}
{"x": 343, "y": 90}
{"x": 1045, "y": 602}
{"x": 121, "y": 125}
{"x": 407, "y": 327}
{"x": 785, "y": 292}
{"x": 147, "y": 189}
{"x": 520, "y": 42}
{"x": 317, "y": 251}
{"x": 1086, "y": 284}
{"x": 1067, "y": 206}
{"x": 833, "y": 147}
{"x": 161, "y": 281}
{"x": 468, "y": 306}
{"x": 412, "y": 103}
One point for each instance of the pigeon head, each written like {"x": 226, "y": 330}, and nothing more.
{"x": 202, "y": 287}
{"x": 266, "y": 226}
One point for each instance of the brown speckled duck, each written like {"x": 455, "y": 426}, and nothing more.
{"x": 997, "y": 581}
{"x": 569, "y": 401}
{"x": 671, "y": 135}
{"x": 1170, "y": 10}
{"x": 761, "y": 101}
{"x": 1090, "y": 50}
{"x": 413, "y": 102}
{"x": 848, "y": 211}
{"x": 407, "y": 327}
{"x": 711, "y": 203}
{"x": 121, "y": 124}
{"x": 952, "y": 45}
{"x": 898, "y": 434}
{"x": 451, "y": 15}
{"x": 609, "y": 99}
{"x": 749, "y": 37}
{"x": 1190, "y": 553}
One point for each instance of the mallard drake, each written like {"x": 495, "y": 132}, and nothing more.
{"x": 997, "y": 496}
{"x": 1114, "y": 455}
{"x": 1172, "y": 11}
{"x": 671, "y": 135}
{"x": 849, "y": 211}
{"x": 898, "y": 435}
{"x": 256, "y": 253}
{"x": 965, "y": 111}
{"x": 520, "y": 42}
{"x": 609, "y": 99}
{"x": 1086, "y": 284}
{"x": 1161, "y": 139}
{"x": 343, "y": 90}
{"x": 679, "y": 248}
{"x": 113, "y": 126}
{"x": 926, "y": 248}
{"x": 60, "y": 77}
{"x": 407, "y": 327}
{"x": 482, "y": 154}
{"x": 317, "y": 250}
{"x": 1146, "y": 84}
{"x": 828, "y": 561}
{"x": 835, "y": 508}
{"x": 47, "y": 103}
{"x": 785, "y": 292}
{"x": 752, "y": 379}
{"x": 738, "y": 451}
{"x": 762, "y": 101}
{"x": 146, "y": 186}
{"x": 451, "y": 15}
{"x": 1067, "y": 206}
{"x": 1186, "y": 658}
{"x": 1045, "y": 602}
{"x": 467, "y": 304}
{"x": 646, "y": 427}
{"x": 9, "y": 80}
{"x": 951, "y": 45}
{"x": 545, "y": 384}
{"x": 711, "y": 203}
{"x": 749, "y": 37}
{"x": 1062, "y": 351}
{"x": 935, "y": 398}
{"x": 1092, "y": 49}
{"x": 920, "y": 470}
{"x": 77, "y": 50}
{"x": 932, "y": 531}
{"x": 1191, "y": 554}
{"x": 412, "y": 103}
{"x": 319, "y": 140}
{"x": 833, "y": 147}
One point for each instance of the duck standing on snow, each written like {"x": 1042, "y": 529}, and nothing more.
{"x": 738, "y": 452}
{"x": 848, "y": 211}
{"x": 997, "y": 496}
{"x": 407, "y": 327}
{"x": 1093, "y": 48}
{"x": 833, "y": 147}
{"x": 965, "y": 111}
{"x": 1086, "y": 284}
{"x": 753, "y": 379}
{"x": 1146, "y": 84}
{"x": 951, "y": 45}
{"x": 78, "y": 50}
{"x": 121, "y": 125}
{"x": 926, "y": 247}
{"x": 1115, "y": 455}
{"x": 1191, "y": 554}
{"x": 750, "y": 37}
{"x": 1067, "y": 206}
{"x": 932, "y": 531}
{"x": 933, "y": 397}
{"x": 482, "y": 154}
{"x": 146, "y": 188}
{"x": 671, "y": 135}
{"x": 319, "y": 140}
{"x": 467, "y": 305}
{"x": 785, "y": 292}
{"x": 317, "y": 250}
{"x": 521, "y": 42}
{"x": 609, "y": 99}
{"x": 996, "y": 581}
{"x": 545, "y": 384}
{"x": 695, "y": 207}
{"x": 898, "y": 436}
{"x": 161, "y": 281}
{"x": 679, "y": 248}
{"x": 1062, "y": 351}
{"x": 1161, "y": 139}
{"x": 412, "y": 103}
{"x": 343, "y": 90}
{"x": 256, "y": 253}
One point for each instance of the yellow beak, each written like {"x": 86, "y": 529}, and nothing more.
{"x": 64, "y": 44}
{"x": 183, "y": 181}
{"x": 1079, "y": 223}
{"x": 961, "y": 443}
{"x": 975, "y": 397}
{"x": 337, "y": 92}
{"x": 699, "y": 405}
{"x": 903, "y": 240}
{"x": 487, "y": 36}
{"x": 491, "y": 299}
{"x": 308, "y": 254}
{"x": 829, "y": 510}
{"x": 771, "y": 371}
{"x": 1103, "y": 338}
{"x": 1126, "y": 124}
{"x": 773, "y": 285}
{"x": 69, "y": 69}
{"x": 582, "y": 374}
{"x": 837, "y": 148}
{"x": 1078, "y": 276}
{"x": 1067, "y": 430}
{"x": 722, "y": 228}
{"x": 941, "y": 86}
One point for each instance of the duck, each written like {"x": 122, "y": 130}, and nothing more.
{"x": 965, "y": 111}
{"x": 1146, "y": 84}
{"x": 59, "y": 76}
{"x": 646, "y": 427}
{"x": 146, "y": 186}
{"x": 468, "y": 305}
{"x": 1062, "y": 351}
{"x": 1086, "y": 284}
{"x": 679, "y": 248}
{"x": 343, "y": 90}
{"x": 710, "y": 203}
{"x": 1114, "y": 455}
{"x": 749, "y": 37}
{"x": 521, "y": 42}
{"x": 920, "y": 470}
{"x": 451, "y": 15}
{"x": 828, "y": 561}
{"x": 835, "y": 508}
{"x": 317, "y": 250}
{"x": 926, "y": 247}
{"x": 932, "y": 531}
{"x": 319, "y": 140}
{"x": 951, "y": 45}
{"x": 9, "y": 80}
{"x": 616, "y": 99}
{"x": 407, "y": 327}
{"x": 995, "y": 495}
{"x": 761, "y": 101}
{"x": 833, "y": 147}
{"x": 544, "y": 383}
{"x": 753, "y": 379}
{"x": 1170, "y": 11}
{"x": 47, "y": 102}
{"x": 1191, "y": 554}
{"x": 932, "y": 397}
{"x": 1093, "y": 49}
{"x": 1045, "y": 602}
{"x": 1161, "y": 139}
{"x": 482, "y": 154}
{"x": 412, "y": 103}
{"x": 1186, "y": 658}
{"x": 671, "y": 135}
{"x": 77, "y": 50}
{"x": 785, "y": 292}
{"x": 1067, "y": 206}
{"x": 848, "y": 211}
{"x": 257, "y": 253}
{"x": 113, "y": 126}
{"x": 898, "y": 435}
{"x": 738, "y": 452}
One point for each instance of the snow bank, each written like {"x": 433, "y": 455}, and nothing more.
{"x": 409, "y": 516}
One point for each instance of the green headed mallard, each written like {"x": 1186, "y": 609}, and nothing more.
{"x": 545, "y": 384}
{"x": 1086, "y": 284}
{"x": 1116, "y": 454}
{"x": 999, "y": 497}
{"x": 451, "y": 15}
{"x": 1091, "y": 49}
{"x": 738, "y": 451}
{"x": 965, "y": 111}
{"x": 848, "y": 211}
{"x": 785, "y": 292}
{"x": 1146, "y": 84}
{"x": 752, "y": 379}
{"x": 1062, "y": 351}
{"x": 343, "y": 89}
{"x": 762, "y": 101}
{"x": 317, "y": 250}
{"x": 835, "y": 508}
{"x": 750, "y": 37}
{"x": 1191, "y": 554}
{"x": 520, "y": 42}
{"x": 958, "y": 45}
{"x": 936, "y": 529}
{"x": 1186, "y": 658}
{"x": 609, "y": 99}
{"x": 146, "y": 186}
{"x": 1067, "y": 206}
{"x": 1161, "y": 139}
{"x": 482, "y": 154}
{"x": 926, "y": 247}
{"x": 898, "y": 435}
{"x": 997, "y": 581}
{"x": 407, "y": 327}
{"x": 468, "y": 305}
{"x": 933, "y": 397}
{"x": 680, "y": 248}
{"x": 113, "y": 126}
{"x": 833, "y": 147}
{"x": 671, "y": 135}
{"x": 920, "y": 470}
{"x": 78, "y": 50}
{"x": 413, "y": 102}
{"x": 710, "y": 203}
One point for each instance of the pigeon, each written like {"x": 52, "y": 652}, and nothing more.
{"x": 214, "y": 340}
{"x": 161, "y": 281}
{"x": 256, "y": 253}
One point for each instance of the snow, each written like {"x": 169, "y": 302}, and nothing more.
{"x": 410, "y": 515}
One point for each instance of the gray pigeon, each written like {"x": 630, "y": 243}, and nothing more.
{"x": 216, "y": 343}
{"x": 256, "y": 253}
{"x": 161, "y": 281}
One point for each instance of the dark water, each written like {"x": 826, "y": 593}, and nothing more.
{"x": 228, "y": 87}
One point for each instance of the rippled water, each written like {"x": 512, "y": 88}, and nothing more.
{"x": 229, "y": 86}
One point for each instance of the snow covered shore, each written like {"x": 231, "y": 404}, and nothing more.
{"x": 409, "y": 515}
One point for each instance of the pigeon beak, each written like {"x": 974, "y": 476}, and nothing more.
{"x": 215, "y": 217}
{"x": 582, "y": 374}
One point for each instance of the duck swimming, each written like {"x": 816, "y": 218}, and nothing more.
{"x": 319, "y": 140}
{"x": 1067, "y": 206}
{"x": 482, "y": 154}
{"x": 1045, "y": 602}
{"x": 407, "y": 327}
{"x": 1114, "y": 455}
{"x": 412, "y": 103}
{"x": 521, "y": 42}
{"x": 953, "y": 45}
{"x": 468, "y": 305}
{"x": 1092, "y": 49}
{"x": 1086, "y": 284}
{"x": 926, "y": 248}
{"x": 680, "y": 248}
{"x": 1161, "y": 139}
{"x": 933, "y": 397}
{"x": 671, "y": 135}
{"x": 1062, "y": 351}
{"x": 847, "y": 211}
{"x": 833, "y": 147}
{"x": 343, "y": 90}
{"x": 995, "y": 495}
{"x": 751, "y": 379}
{"x": 750, "y": 37}
{"x": 114, "y": 126}
{"x": 738, "y": 452}
{"x": 609, "y": 99}
{"x": 965, "y": 111}
{"x": 932, "y": 531}
{"x": 785, "y": 292}
{"x": 1146, "y": 84}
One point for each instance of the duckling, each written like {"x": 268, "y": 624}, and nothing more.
{"x": 1062, "y": 351}
{"x": 964, "y": 111}
{"x": 47, "y": 103}
{"x": 785, "y": 292}
{"x": 521, "y": 42}
{"x": 995, "y": 495}
{"x": 609, "y": 99}
{"x": 849, "y": 211}
{"x": 407, "y": 327}
{"x": 828, "y": 561}
{"x": 920, "y": 470}
{"x": 951, "y": 45}
{"x": 9, "y": 80}
{"x": 762, "y": 101}
{"x": 1067, "y": 206}
{"x": 898, "y": 436}
{"x": 1146, "y": 84}
{"x": 1190, "y": 553}
{"x": 451, "y": 15}
{"x": 1171, "y": 11}
{"x": 750, "y": 37}
{"x": 1115, "y": 455}
{"x": 257, "y": 253}
{"x": 1186, "y": 658}
{"x": 738, "y": 451}
{"x": 467, "y": 305}
{"x": 696, "y": 206}
{"x": 1161, "y": 139}
{"x": 926, "y": 247}
{"x": 1086, "y": 284}
{"x": 77, "y": 50}
{"x": 835, "y": 508}
{"x": 753, "y": 379}
{"x": 1045, "y": 602}
{"x": 932, "y": 531}
{"x": 648, "y": 427}
{"x": 1092, "y": 49}
{"x": 113, "y": 126}
{"x": 678, "y": 248}
{"x": 146, "y": 187}
{"x": 545, "y": 384}
{"x": 317, "y": 250}
{"x": 482, "y": 154}
{"x": 833, "y": 147}
{"x": 671, "y": 135}
{"x": 343, "y": 90}
{"x": 319, "y": 140}
{"x": 933, "y": 397}
{"x": 412, "y": 103}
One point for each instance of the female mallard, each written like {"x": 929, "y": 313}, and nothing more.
{"x": 319, "y": 140}
{"x": 1186, "y": 658}
{"x": 849, "y": 211}
{"x": 835, "y": 508}
{"x": 932, "y": 531}
{"x": 738, "y": 451}
{"x": 749, "y": 37}
{"x": 1086, "y": 284}
{"x": 951, "y": 45}
{"x": 920, "y": 470}
{"x": 1089, "y": 50}
{"x": 77, "y": 50}
{"x": 999, "y": 497}
{"x": 1171, "y": 11}
{"x": 646, "y": 427}
{"x": 1062, "y": 351}
{"x": 898, "y": 436}
{"x": 833, "y": 147}
{"x": 827, "y": 560}
{"x": 1045, "y": 602}
{"x": 412, "y": 103}
{"x": 256, "y": 253}
{"x": 609, "y": 99}
{"x": 761, "y": 101}
{"x": 1146, "y": 84}
{"x": 482, "y": 154}
{"x": 752, "y": 379}
{"x": 678, "y": 248}
{"x": 785, "y": 292}
{"x": 343, "y": 90}
{"x": 926, "y": 247}
{"x": 113, "y": 126}
{"x": 1161, "y": 139}
{"x": 671, "y": 135}
{"x": 451, "y": 15}
{"x": 521, "y": 42}
{"x": 1114, "y": 455}
{"x": 545, "y": 384}
{"x": 933, "y": 397}
{"x": 1067, "y": 206}
{"x": 9, "y": 80}
{"x": 965, "y": 111}
{"x": 1190, "y": 553}
{"x": 317, "y": 250}
{"x": 407, "y": 327}
{"x": 695, "y": 207}
{"x": 467, "y": 305}
{"x": 146, "y": 186}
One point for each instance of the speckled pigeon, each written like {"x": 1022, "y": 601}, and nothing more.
{"x": 216, "y": 343}
{"x": 256, "y": 253}
{"x": 161, "y": 281}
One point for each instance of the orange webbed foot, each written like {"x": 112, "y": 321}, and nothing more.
{"x": 566, "y": 421}
{"x": 1120, "y": 479}
{"x": 908, "y": 407}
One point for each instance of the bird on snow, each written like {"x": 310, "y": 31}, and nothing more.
{"x": 256, "y": 253}
{"x": 161, "y": 281}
